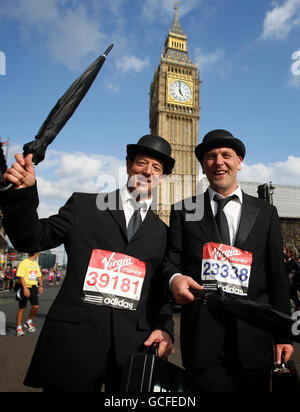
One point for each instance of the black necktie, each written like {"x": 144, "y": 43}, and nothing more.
{"x": 134, "y": 222}
{"x": 221, "y": 219}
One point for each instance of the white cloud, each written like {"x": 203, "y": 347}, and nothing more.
{"x": 69, "y": 29}
{"x": 281, "y": 20}
{"x": 285, "y": 173}
{"x": 77, "y": 29}
{"x": 113, "y": 87}
{"x": 208, "y": 60}
{"x": 13, "y": 149}
{"x": 294, "y": 82}
{"x": 46, "y": 209}
{"x": 213, "y": 61}
{"x": 132, "y": 63}
{"x": 74, "y": 32}
{"x": 65, "y": 173}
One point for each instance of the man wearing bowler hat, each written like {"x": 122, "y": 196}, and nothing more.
{"x": 112, "y": 301}
{"x": 233, "y": 243}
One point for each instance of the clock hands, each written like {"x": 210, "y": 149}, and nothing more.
{"x": 180, "y": 89}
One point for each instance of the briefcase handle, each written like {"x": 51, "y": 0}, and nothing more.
{"x": 282, "y": 368}
{"x": 153, "y": 350}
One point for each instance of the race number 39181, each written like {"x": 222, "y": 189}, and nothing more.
{"x": 115, "y": 283}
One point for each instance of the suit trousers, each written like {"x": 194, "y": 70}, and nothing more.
{"x": 223, "y": 378}
{"x": 110, "y": 382}
{"x": 226, "y": 374}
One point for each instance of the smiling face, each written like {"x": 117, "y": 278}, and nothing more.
{"x": 145, "y": 174}
{"x": 221, "y": 166}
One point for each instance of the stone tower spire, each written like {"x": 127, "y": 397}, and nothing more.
{"x": 176, "y": 27}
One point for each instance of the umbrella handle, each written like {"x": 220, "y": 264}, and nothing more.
{"x": 5, "y": 188}
{"x": 108, "y": 50}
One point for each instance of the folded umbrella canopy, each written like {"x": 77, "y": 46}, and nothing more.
{"x": 61, "y": 113}
{"x": 259, "y": 315}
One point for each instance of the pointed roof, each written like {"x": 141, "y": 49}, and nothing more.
{"x": 176, "y": 27}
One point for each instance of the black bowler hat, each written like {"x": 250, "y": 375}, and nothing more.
{"x": 154, "y": 146}
{"x": 220, "y": 138}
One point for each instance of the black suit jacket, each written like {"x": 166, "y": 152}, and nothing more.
{"x": 202, "y": 329}
{"x": 77, "y": 337}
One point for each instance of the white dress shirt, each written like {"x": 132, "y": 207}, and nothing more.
{"x": 128, "y": 205}
{"x": 232, "y": 210}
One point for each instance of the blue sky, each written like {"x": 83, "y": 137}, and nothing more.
{"x": 244, "y": 50}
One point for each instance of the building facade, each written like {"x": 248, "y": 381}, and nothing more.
{"x": 47, "y": 260}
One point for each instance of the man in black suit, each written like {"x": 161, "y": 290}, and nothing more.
{"x": 112, "y": 301}
{"x": 230, "y": 240}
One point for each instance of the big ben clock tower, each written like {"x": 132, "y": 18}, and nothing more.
{"x": 175, "y": 114}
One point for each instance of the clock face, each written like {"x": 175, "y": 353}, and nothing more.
{"x": 180, "y": 91}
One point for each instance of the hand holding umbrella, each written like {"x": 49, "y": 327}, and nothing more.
{"x": 60, "y": 114}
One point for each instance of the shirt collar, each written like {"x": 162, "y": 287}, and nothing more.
{"x": 126, "y": 197}
{"x": 238, "y": 192}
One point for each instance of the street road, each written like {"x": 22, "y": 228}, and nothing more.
{"x": 9, "y": 306}
{"x": 16, "y": 353}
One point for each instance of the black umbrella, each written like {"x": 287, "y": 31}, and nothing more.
{"x": 61, "y": 113}
{"x": 259, "y": 315}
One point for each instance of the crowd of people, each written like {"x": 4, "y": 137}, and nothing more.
{"x": 26, "y": 280}
{"x": 8, "y": 277}
{"x": 53, "y": 275}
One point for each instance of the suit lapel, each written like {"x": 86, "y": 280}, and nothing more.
{"x": 208, "y": 223}
{"x": 116, "y": 210}
{"x": 248, "y": 217}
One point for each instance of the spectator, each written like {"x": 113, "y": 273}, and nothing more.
{"x": 291, "y": 267}
{"x": 51, "y": 276}
{"x": 8, "y": 277}
{"x": 30, "y": 277}
{"x": 2, "y": 277}
{"x": 58, "y": 277}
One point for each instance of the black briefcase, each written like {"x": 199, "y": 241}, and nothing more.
{"x": 285, "y": 378}
{"x": 149, "y": 373}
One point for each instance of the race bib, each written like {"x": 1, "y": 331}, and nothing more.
{"x": 226, "y": 267}
{"x": 114, "y": 280}
{"x": 32, "y": 275}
